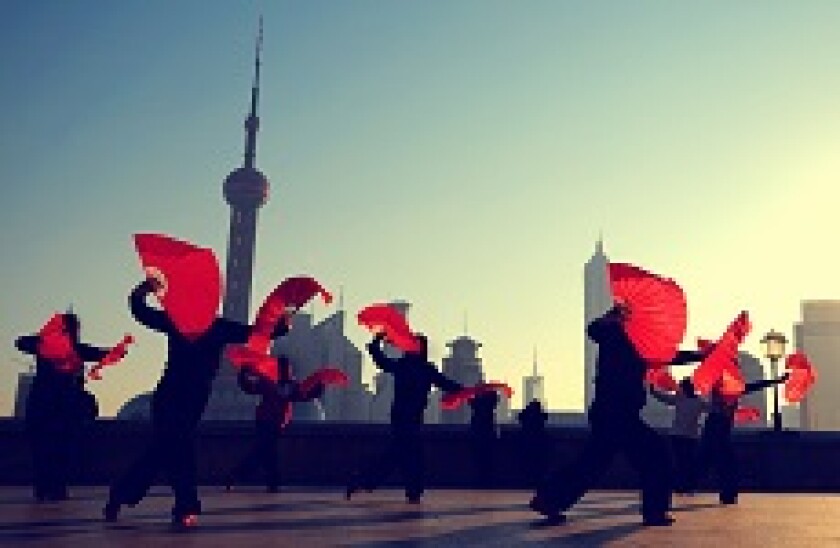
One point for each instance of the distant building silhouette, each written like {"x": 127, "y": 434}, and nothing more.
{"x": 245, "y": 190}
{"x": 383, "y": 383}
{"x": 138, "y": 408}
{"x": 463, "y": 366}
{"x": 818, "y": 335}
{"x": 533, "y": 386}
{"x": 597, "y": 299}
{"x": 753, "y": 371}
{"x": 24, "y": 385}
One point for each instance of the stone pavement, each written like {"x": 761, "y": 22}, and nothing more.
{"x": 306, "y": 517}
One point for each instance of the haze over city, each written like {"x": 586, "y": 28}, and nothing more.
{"x": 464, "y": 156}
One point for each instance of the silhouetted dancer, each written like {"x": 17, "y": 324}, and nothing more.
{"x": 615, "y": 426}
{"x": 413, "y": 376}
{"x": 483, "y": 439}
{"x": 57, "y": 408}
{"x": 271, "y": 416}
{"x": 533, "y": 442}
{"x": 685, "y": 432}
{"x": 177, "y": 405}
{"x": 716, "y": 449}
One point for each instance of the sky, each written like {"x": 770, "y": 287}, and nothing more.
{"x": 462, "y": 155}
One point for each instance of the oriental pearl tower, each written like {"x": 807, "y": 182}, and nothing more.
{"x": 245, "y": 190}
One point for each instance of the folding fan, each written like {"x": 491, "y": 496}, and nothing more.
{"x": 383, "y": 317}
{"x": 747, "y": 414}
{"x": 723, "y": 357}
{"x": 660, "y": 378}
{"x": 326, "y": 375}
{"x": 454, "y": 400}
{"x": 56, "y": 346}
{"x": 657, "y": 311}
{"x": 189, "y": 280}
{"x": 802, "y": 377}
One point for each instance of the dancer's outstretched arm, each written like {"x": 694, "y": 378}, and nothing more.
{"x": 381, "y": 361}
{"x": 669, "y": 399}
{"x": 27, "y": 344}
{"x": 145, "y": 314}
{"x": 761, "y": 385}
{"x": 685, "y": 357}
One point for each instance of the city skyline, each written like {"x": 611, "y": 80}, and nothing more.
{"x": 462, "y": 156}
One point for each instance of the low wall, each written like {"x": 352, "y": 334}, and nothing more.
{"x": 323, "y": 454}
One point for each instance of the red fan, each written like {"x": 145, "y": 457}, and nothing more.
{"x": 661, "y": 379}
{"x": 657, "y": 311}
{"x": 113, "y": 356}
{"x": 383, "y": 317}
{"x": 326, "y": 375}
{"x": 291, "y": 293}
{"x": 802, "y": 377}
{"x": 56, "y": 346}
{"x": 747, "y": 414}
{"x": 723, "y": 357}
{"x": 454, "y": 400}
{"x": 189, "y": 280}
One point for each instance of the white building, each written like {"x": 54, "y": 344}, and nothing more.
{"x": 597, "y": 299}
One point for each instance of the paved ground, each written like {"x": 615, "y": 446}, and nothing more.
{"x": 298, "y": 518}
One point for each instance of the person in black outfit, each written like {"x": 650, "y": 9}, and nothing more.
{"x": 483, "y": 438}
{"x": 177, "y": 405}
{"x": 534, "y": 444}
{"x": 56, "y": 410}
{"x": 615, "y": 426}
{"x": 275, "y": 404}
{"x": 716, "y": 449}
{"x": 413, "y": 379}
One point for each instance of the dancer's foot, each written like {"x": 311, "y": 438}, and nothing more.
{"x": 111, "y": 512}
{"x": 272, "y": 489}
{"x": 658, "y": 521}
{"x": 413, "y": 499}
{"x": 185, "y": 522}
{"x": 729, "y": 500}
{"x": 352, "y": 488}
{"x": 552, "y": 514}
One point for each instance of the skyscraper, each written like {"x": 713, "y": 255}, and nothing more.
{"x": 818, "y": 335}
{"x": 245, "y": 190}
{"x": 464, "y": 366}
{"x": 597, "y": 299}
{"x": 533, "y": 386}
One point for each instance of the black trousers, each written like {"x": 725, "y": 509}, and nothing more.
{"x": 404, "y": 451}
{"x": 717, "y": 453}
{"x": 263, "y": 454}
{"x": 53, "y": 443}
{"x": 685, "y": 450}
{"x": 172, "y": 452}
{"x": 645, "y": 449}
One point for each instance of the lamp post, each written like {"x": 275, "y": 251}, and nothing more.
{"x": 774, "y": 348}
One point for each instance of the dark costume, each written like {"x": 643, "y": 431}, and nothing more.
{"x": 177, "y": 405}
{"x": 57, "y": 409}
{"x": 716, "y": 449}
{"x": 483, "y": 438}
{"x": 272, "y": 412}
{"x": 533, "y": 443}
{"x": 615, "y": 426}
{"x": 413, "y": 379}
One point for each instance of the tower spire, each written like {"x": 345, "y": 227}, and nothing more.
{"x": 252, "y": 123}
{"x": 535, "y": 361}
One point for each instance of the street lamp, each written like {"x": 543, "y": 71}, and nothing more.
{"x": 774, "y": 348}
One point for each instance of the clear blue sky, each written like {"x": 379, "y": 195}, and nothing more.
{"x": 463, "y": 155}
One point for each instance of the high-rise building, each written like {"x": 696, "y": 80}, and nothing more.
{"x": 533, "y": 386}
{"x": 24, "y": 385}
{"x": 597, "y": 299}
{"x": 464, "y": 366}
{"x": 753, "y": 371}
{"x": 818, "y": 336}
{"x": 245, "y": 190}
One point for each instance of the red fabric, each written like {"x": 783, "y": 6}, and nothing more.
{"x": 325, "y": 376}
{"x": 191, "y": 282}
{"x": 454, "y": 400}
{"x": 723, "y": 358}
{"x": 660, "y": 378}
{"x": 290, "y": 293}
{"x": 802, "y": 377}
{"x": 56, "y": 346}
{"x": 747, "y": 414}
{"x": 385, "y": 318}
{"x": 113, "y": 356}
{"x": 658, "y": 313}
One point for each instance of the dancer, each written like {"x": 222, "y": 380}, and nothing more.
{"x": 483, "y": 438}
{"x": 716, "y": 449}
{"x": 57, "y": 406}
{"x": 413, "y": 376}
{"x": 272, "y": 415}
{"x": 615, "y": 426}
{"x": 177, "y": 404}
{"x": 534, "y": 445}
{"x": 684, "y": 433}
